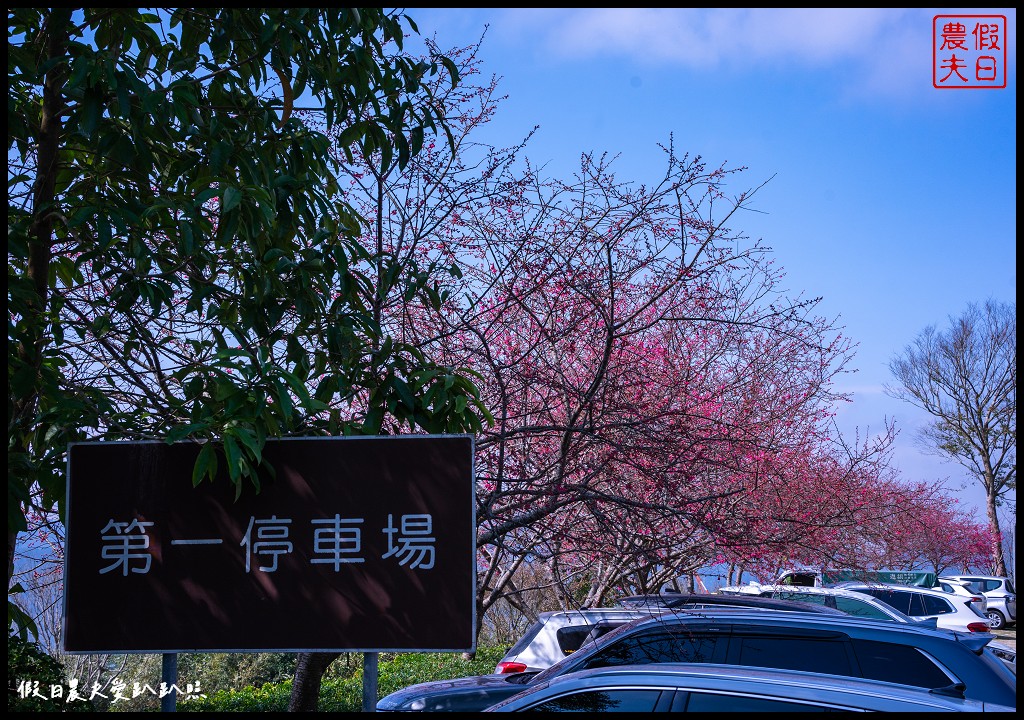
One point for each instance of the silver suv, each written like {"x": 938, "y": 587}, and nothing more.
{"x": 1001, "y": 597}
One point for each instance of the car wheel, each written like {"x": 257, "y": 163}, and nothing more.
{"x": 996, "y": 621}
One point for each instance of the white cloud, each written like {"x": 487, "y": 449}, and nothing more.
{"x": 702, "y": 37}
{"x": 880, "y": 51}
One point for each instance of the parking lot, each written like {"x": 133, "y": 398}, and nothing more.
{"x": 1007, "y": 635}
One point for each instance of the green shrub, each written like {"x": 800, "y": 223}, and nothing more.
{"x": 396, "y": 671}
{"x": 345, "y": 694}
{"x": 271, "y": 697}
{"x": 212, "y": 673}
{"x": 27, "y": 663}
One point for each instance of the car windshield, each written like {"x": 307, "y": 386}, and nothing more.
{"x": 890, "y": 613}
{"x": 1009, "y": 586}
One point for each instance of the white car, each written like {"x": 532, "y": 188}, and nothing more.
{"x": 963, "y": 587}
{"x": 558, "y": 633}
{"x": 850, "y": 602}
{"x": 952, "y": 612}
{"x": 999, "y": 594}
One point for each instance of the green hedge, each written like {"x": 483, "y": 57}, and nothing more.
{"x": 394, "y": 671}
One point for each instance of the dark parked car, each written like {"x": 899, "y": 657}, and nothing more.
{"x": 856, "y": 603}
{"x": 559, "y": 633}
{"x": 698, "y": 601}
{"x": 944, "y": 662}
{"x": 726, "y": 688}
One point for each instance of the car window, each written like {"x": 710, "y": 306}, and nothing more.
{"x": 853, "y": 606}
{"x": 898, "y": 664}
{"x": 729, "y": 702}
{"x": 528, "y": 637}
{"x": 820, "y": 655}
{"x": 659, "y": 645}
{"x": 989, "y": 584}
{"x": 916, "y": 605}
{"x": 934, "y": 606}
{"x": 898, "y": 599}
{"x": 801, "y": 579}
{"x": 570, "y": 638}
{"x": 602, "y": 701}
{"x": 799, "y": 597}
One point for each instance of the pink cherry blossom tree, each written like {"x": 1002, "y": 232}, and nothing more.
{"x": 661, "y": 401}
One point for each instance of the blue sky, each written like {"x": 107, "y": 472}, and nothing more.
{"x": 893, "y": 200}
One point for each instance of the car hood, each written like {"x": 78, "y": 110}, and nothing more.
{"x": 461, "y": 694}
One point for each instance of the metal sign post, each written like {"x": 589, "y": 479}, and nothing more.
{"x": 370, "y": 682}
{"x": 169, "y": 678}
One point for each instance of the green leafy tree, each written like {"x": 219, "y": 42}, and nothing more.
{"x": 32, "y": 677}
{"x": 181, "y": 262}
{"x": 965, "y": 377}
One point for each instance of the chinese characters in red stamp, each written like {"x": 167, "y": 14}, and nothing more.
{"x": 969, "y": 51}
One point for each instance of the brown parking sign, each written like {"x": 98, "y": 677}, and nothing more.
{"x": 358, "y": 544}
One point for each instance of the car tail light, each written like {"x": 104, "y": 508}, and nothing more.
{"x": 978, "y": 627}
{"x": 515, "y": 667}
{"x": 976, "y": 599}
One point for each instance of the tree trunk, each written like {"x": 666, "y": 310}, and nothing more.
{"x": 53, "y": 44}
{"x": 997, "y": 536}
{"x": 309, "y": 674}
